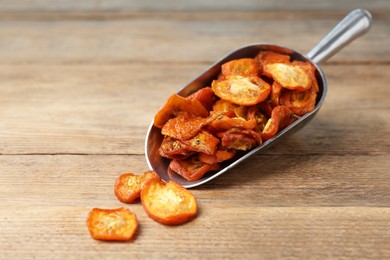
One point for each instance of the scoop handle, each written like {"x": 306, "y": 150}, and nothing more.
{"x": 355, "y": 24}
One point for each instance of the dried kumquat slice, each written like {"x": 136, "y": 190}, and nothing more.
{"x": 300, "y": 103}
{"x": 275, "y": 94}
{"x": 281, "y": 117}
{"x": 204, "y": 142}
{"x": 240, "y": 139}
{"x": 289, "y": 76}
{"x": 205, "y": 96}
{"x": 311, "y": 71}
{"x": 173, "y": 149}
{"x": 271, "y": 57}
{"x": 112, "y": 224}
{"x": 245, "y": 67}
{"x": 225, "y": 108}
{"x": 245, "y": 91}
{"x": 192, "y": 168}
{"x": 184, "y": 126}
{"x": 128, "y": 186}
{"x": 223, "y": 123}
{"x": 168, "y": 203}
{"x": 219, "y": 156}
{"x": 175, "y": 105}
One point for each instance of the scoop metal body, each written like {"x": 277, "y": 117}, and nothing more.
{"x": 352, "y": 26}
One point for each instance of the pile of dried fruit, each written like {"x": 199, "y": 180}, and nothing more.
{"x": 167, "y": 203}
{"x": 249, "y": 102}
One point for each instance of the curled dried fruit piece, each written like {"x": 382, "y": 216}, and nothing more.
{"x": 280, "y": 118}
{"x": 168, "y": 203}
{"x": 311, "y": 71}
{"x": 192, "y": 168}
{"x": 271, "y": 57}
{"x": 112, "y": 224}
{"x": 223, "y": 123}
{"x": 175, "y": 105}
{"x": 173, "y": 149}
{"x": 245, "y": 91}
{"x": 184, "y": 126}
{"x": 300, "y": 103}
{"x": 240, "y": 139}
{"x": 245, "y": 67}
{"x": 204, "y": 142}
{"x": 205, "y": 96}
{"x": 219, "y": 156}
{"x": 225, "y": 108}
{"x": 128, "y": 186}
{"x": 275, "y": 94}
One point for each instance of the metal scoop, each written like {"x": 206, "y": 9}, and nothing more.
{"x": 352, "y": 26}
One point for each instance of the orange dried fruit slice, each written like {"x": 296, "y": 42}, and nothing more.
{"x": 204, "y": 142}
{"x": 245, "y": 67}
{"x": 128, "y": 186}
{"x": 205, "y": 96}
{"x": 281, "y": 117}
{"x": 300, "y": 103}
{"x": 192, "y": 168}
{"x": 289, "y": 76}
{"x": 168, "y": 203}
{"x": 175, "y": 105}
{"x": 245, "y": 91}
{"x": 112, "y": 224}
{"x": 184, "y": 126}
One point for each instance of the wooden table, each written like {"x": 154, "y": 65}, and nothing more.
{"x": 80, "y": 81}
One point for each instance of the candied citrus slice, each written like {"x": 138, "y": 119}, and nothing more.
{"x": 203, "y": 142}
{"x": 219, "y": 156}
{"x": 255, "y": 114}
{"x": 289, "y": 76}
{"x": 192, "y": 168}
{"x": 205, "y": 96}
{"x": 271, "y": 57}
{"x": 275, "y": 94}
{"x": 128, "y": 186}
{"x": 175, "y": 105}
{"x": 173, "y": 149}
{"x": 245, "y": 91}
{"x": 225, "y": 108}
{"x": 184, "y": 126}
{"x": 168, "y": 203}
{"x": 311, "y": 71}
{"x": 112, "y": 224}
{"x": 240, "y": 139}
{"x": 280, "y": 118}
{"x": 223, "y": 123}
{"x": 245, "y": 67}
{"x": 300, "y": 103}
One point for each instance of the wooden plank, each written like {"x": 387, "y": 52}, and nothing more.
{"x": 188, "y": 5}
{"x": 106, "y": 109}
{"x": 218, "y": 232}
{"x": 138, "y": 40}
{"x": 267, "y": 180}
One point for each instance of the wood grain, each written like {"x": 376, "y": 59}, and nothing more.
{"x": 106, "y": 109}
{"x": 30, "y": 6}
{"x": 80, "y": 82}
{"x": 245, "y": 232}
{"x": 45, "y": 200}
{"x": 162, "y": 40}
